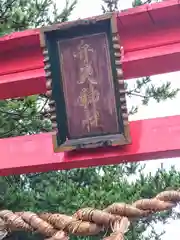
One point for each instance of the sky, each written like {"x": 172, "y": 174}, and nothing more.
{"x": 87, "y": 8}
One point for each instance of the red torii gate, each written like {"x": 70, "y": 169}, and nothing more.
{"x": 150, "y": 36}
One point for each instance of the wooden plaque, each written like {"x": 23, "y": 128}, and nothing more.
{"x": 84, "y": 81}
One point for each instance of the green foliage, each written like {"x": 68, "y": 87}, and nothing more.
{"x": 140, "y": 2}
{"x": 111, "y": 5}
{"x": 67, "y": 191}
{"x": 18, "y": 15}
{"x": 27, "y": 115}
{"x": 23, "y": 116}
{"x": 146, "y": 90}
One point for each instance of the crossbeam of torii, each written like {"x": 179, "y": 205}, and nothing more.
{"x": 150, "y": 36}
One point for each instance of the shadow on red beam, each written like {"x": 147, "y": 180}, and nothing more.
{"x": 152, "y": 139}
{"x": 148, "y": 62}
{"x": 135, "y": 64}
{"x": 151, "y": 14}
{"x": 22, "y": 84}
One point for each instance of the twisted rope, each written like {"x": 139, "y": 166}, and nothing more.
{"x": 87, "y": 221}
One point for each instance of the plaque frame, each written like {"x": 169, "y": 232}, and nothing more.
{"x": 49, "y": 37}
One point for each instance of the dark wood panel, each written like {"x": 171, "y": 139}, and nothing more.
{"x": 88, "y": 86}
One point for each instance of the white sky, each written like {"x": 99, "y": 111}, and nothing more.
{"x": 87, "y": 8}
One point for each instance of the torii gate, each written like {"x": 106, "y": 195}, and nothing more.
{"x": 150, "y": 36}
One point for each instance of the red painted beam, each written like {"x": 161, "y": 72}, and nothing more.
{"x": 152, "y": 139}
{"x": 150, "y": 35}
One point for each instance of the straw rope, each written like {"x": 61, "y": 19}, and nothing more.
{"x": 87, "y": 221}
